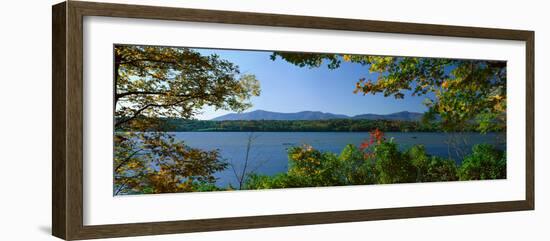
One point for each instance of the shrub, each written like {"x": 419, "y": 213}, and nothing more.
{"x": 381, "y": 163}
{"x": 393, "y": 166}
{"x": 431, "y": 168}
{"x": 205, "y": 187}
{"x": 311, "y": 168}
{"x": 420, "y": 160}
{"x": 304, "y": 161}
{"x": 485, "y": 162}
{"x": 282, "y": 180}
{"x": 356, "y": 169}
{"x": 441, "y": 170}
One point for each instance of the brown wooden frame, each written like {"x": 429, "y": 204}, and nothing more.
{"x": 67, "y": 121}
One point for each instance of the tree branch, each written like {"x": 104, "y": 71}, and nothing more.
{"x": 127, "y": 159}
{"x": 148, "y": 60}
{"x": 163, "y": 93}
{"x": 140, "y": 110}
{"x": 121, "y": 95}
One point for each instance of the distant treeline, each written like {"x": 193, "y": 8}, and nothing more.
{"x": 335, "y": 125}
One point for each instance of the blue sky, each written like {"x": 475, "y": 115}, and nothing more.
{"x": 289, "y": 88}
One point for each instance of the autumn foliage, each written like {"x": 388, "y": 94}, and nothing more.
{"x": 156, "y": 85}
{"x": 458, "y": 92}
{"x": 153, "y": 82}
{"x": 380, "y": 161}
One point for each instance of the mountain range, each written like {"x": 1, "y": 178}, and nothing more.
{"x": 316, "y": 115}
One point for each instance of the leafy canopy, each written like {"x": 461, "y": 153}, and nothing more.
{"x": 154, "y": 82}
{"x": 463, "y": 90}
{"x": 154, "y": 162}
{"x": 176, "y": 82}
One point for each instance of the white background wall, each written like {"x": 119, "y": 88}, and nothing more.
{"x": 25, "y": 120}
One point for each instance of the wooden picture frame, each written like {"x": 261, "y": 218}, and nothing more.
{"x": 67, "y": 124}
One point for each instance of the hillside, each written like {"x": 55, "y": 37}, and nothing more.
{"x": 316, "y": 115}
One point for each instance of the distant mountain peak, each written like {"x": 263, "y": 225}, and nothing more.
{"x": 315, "y": 115}
{"x": 269, "y": 115}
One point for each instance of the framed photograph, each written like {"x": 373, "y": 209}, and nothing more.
{"x": 171, "y": 120}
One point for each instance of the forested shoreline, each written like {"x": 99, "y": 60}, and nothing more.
{"x": 333, "y": 125}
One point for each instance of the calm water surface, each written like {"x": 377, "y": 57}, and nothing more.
{"x": 268, "y": 153}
